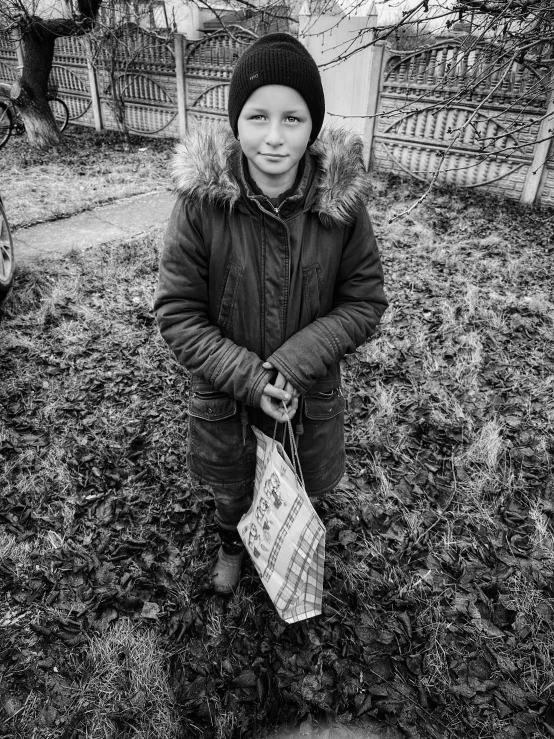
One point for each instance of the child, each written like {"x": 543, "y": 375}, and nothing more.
{"x": 269, "y": 275}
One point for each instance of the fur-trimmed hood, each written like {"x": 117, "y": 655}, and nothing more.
{"x": 203, "y": 169}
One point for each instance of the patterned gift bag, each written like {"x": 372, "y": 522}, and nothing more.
{"x": 283, "y": 534}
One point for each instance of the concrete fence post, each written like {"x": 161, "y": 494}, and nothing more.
{"x": 339, "y": 44}
{"x": 374, "y": 89}
{"x": 16, "y": 39}
{"x": 536, "y": 173}
{"x": 93, "y": 87}
{"x": 181, "y": 77}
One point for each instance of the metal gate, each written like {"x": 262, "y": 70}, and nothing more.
{"x": 459, "y": 115}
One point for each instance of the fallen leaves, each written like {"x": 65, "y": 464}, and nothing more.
{"x": 437, "y": 614}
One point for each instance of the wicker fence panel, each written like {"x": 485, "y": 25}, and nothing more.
{"x": 486, "y": 138}
{"x": 209, "y": 65}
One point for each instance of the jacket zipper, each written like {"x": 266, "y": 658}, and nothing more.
{"x": 278, "y": 217}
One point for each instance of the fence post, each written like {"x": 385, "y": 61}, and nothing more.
{"x": 328, "y": 36}
{"x": 375, "y": 74}
{"x": 93, "y": 85}
{"x": 180, "y": 72}
{"x": 537, "y": 170}
{"x": 16, "y": 38}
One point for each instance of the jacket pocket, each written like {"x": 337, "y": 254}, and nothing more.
{"x": 229, "y": 294}
{"x": 312, "y": 288}
{"x": 211, "y": 405}
{"x": 320, "y": 406}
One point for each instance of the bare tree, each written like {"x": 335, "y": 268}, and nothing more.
{"x": 522, "y": 28}
{"x": 260, "y": 17}
{"x": 37, "y": 36}
{"x": 505, "y": 60}
{"x": 117, "y": 43}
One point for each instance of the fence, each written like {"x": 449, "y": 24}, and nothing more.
{"x": 8, "y": 58}
{"x": 465, "y": 116}
{"x": 164, "y": 83}
{"x": 495, "y": 135}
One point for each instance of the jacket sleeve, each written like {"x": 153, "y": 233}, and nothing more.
{"x": 181, "y": 304}
{"x": 359, "y": 301}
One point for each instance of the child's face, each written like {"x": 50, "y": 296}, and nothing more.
{"x": 274, "y": 128}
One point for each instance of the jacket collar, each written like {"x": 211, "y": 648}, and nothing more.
{"x": 295, "y": 200}
{"x": 206, "y": 167}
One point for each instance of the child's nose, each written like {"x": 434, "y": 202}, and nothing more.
{"x": 274, "y": 135}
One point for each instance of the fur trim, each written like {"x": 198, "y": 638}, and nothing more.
{"x": 202, "y": 169}
{"x": 343, "y": 184}
{"x": 201, "y": 165}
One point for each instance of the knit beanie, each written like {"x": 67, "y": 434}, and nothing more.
{"x": 277, "y": 59}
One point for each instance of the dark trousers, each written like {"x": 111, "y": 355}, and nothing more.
{"x": 222, "y": 447}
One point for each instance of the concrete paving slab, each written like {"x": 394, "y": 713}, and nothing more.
{"x": 122, "y": 219}
{"x": 23, "y": 250}
{"x": 141, "y": 212}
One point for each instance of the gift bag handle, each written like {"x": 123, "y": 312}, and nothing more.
{"x": 295, "y": 457}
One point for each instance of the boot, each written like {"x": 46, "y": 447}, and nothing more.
{"x": 226, "y": 572}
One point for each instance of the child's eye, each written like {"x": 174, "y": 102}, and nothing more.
{"x": 257, "y": 117}
{"x": 292, "y": 118}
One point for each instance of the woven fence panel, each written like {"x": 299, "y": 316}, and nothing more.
{"x": 482, "y": 137}
{"x": 209, "y": 66}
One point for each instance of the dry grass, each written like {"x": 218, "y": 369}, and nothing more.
{"x": 128, "y": 692}
{"x": 92, "y": 168}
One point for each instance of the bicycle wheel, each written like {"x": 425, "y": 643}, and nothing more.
{"x": 7, "y": 260}
{"x": 6, "y": 123}
{"x": 60, "y": 111}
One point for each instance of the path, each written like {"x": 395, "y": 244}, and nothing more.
{"x": 122, "y": 219}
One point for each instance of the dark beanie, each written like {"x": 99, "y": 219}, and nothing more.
{"x": 277, "y": 59}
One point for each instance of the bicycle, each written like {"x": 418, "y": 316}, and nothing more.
{"x": 11, "y": 122}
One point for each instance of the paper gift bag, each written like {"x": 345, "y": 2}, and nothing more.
{"x": 283, "y": 534}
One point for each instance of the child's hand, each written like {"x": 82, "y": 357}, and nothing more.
{"x": 274, "y": 395}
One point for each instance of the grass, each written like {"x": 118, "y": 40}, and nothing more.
{"x": 440, "y": 546}
{"x": 128, "y": 685}
{"x": 90, "y": 169}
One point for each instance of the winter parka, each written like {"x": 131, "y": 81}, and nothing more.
{"x": 242, "y": 281}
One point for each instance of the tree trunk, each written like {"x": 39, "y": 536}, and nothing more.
{"x": 40, "y": 125}
{"x": 29, "y": 92}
